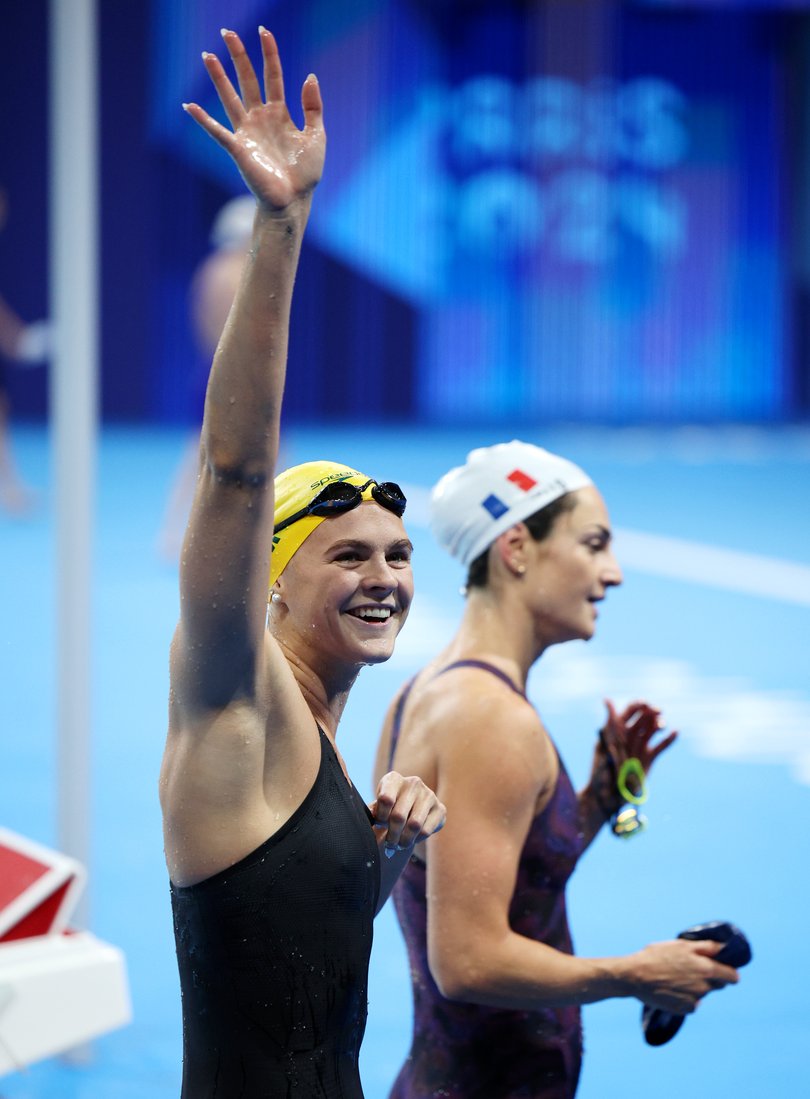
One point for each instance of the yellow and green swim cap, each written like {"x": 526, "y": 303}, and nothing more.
{"x": 296, "y": 488}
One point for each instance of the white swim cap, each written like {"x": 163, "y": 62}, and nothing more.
{"x": 233, "y": 223}
{"x": 497, "y": 487}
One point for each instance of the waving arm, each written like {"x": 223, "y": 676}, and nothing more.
{"x": 225, "y": 559}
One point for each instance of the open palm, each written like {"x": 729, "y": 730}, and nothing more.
{"x": 278, "y": 162}
{"x": 629, "y": 734}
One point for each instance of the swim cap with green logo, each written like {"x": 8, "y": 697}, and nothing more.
{"x": 295, "y": 489}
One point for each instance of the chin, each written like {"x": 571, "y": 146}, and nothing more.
{"x": 360, "y": 653}
{"x": 377, "y": 652}
{"x": 376, "y": 657}
{"x": 374, "y": 650}
{"x": 580, "y": 633}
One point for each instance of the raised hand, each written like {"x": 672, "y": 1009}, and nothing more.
{"x": 280, "y": 163}
{"x": 626, "y": 735}
{"x": 629, "y": 734}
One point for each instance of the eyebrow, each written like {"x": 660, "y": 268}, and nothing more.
{"x": 603, "y": 531}
{"x": 360, "y": 543}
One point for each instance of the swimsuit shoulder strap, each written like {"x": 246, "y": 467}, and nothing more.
{"x": 397, "y": 722}
{"x": 396, "y": 726}
{"x": 484, "y": 667}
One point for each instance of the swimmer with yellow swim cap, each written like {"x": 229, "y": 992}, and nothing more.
{"x": 277, "y": 865}
{"x": 340, "y": 573}
{"x": 309, "y": 493}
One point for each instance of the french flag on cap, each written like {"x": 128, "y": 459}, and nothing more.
{"x": 495, "y": 506}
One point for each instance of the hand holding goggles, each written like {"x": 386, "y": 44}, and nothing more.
{"x": 339, "y": 496}
{"x": 632, "y": 785}
{"x": 631, "y": 782}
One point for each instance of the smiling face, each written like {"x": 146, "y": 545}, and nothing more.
{"x": 570, "y": 571}
{"x": 348, "y": 589}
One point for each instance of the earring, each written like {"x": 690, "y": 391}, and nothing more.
{"x": 275, "y": 597}
{"x": 521, "y": 570}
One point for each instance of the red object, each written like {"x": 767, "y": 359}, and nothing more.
{"x": 18, "y": 872}
{"x": 521, "y": 479}
{"x": 38, "y": 888}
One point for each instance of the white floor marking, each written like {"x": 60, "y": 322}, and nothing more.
{"x": 727, "y": 718}
{"x": 679, "y": 559}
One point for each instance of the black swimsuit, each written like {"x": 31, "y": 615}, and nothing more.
{"x": 273, "y": 955}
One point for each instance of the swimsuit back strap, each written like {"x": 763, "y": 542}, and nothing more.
{"x": 485, "y": 667}
{"x": 396, "y": 725}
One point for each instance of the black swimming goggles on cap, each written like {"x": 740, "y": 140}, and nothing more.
{"x": 340, "y": 496}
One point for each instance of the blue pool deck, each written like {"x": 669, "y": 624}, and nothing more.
{"x": 712, "y": 624}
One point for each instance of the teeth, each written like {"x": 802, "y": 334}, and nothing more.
{"x": 374, "y": 612}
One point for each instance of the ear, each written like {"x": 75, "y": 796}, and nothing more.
{"x": 510, "y": 548}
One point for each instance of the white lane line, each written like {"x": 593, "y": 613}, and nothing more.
{"x": 724, "y": 717}
{"x": 679, "y": 559}
{"x": 731, "y": 570}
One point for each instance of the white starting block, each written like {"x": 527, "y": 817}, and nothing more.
{"x": 58, "y": 989}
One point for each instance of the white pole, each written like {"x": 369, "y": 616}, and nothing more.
{"x": 73, "y": 398}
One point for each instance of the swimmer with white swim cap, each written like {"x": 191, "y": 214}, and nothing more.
{"x": 497, "y": 986}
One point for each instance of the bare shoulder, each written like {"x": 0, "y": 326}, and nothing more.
{"x": 232, "y": 775}
{"x": 482, "y": 735}
{"x": 270, "y": 708}
{"x": 256, "y": 674}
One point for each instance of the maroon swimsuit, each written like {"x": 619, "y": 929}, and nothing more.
{"x": 467, "y": 1051}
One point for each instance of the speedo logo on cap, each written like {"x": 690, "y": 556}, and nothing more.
{"x": 495, "y": 505}
{"x": 342, "y": 476}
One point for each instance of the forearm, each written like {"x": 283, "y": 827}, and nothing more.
{"x": 11, "y": 330}
{"x": 243, "y": 402}
{"x": 592, "y": 814}
{"x": 523, "y": 975}
{"x": 239, "y": 448}
{"x": 600, "y": 798}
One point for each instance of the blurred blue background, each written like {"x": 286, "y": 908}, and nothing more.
{"x": 531, "y": 211}
{"x": 583, "y": 224}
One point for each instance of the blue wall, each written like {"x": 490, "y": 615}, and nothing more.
{"x": 530, "y": 212}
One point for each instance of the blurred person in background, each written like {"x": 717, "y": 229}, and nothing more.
{"x": 23, "y": 345}
{"x": 211, "y": 293}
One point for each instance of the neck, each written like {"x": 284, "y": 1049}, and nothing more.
{"x": 325, "y": 690}
{"x": 496, "y": 623}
